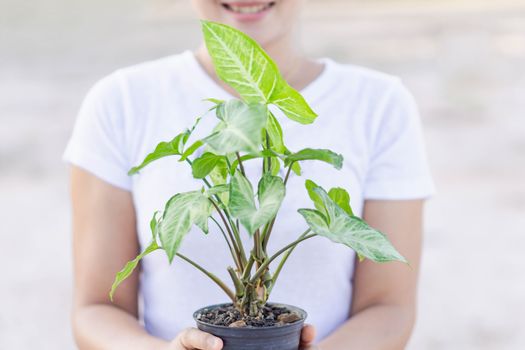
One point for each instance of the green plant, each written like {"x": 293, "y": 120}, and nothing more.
{"x": 248, "y": 131}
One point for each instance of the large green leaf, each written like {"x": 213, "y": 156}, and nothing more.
{"x": 203, "y": 165}
{"x": 190, "y": 150}
{"x": 318, "y": 202}
{"x": 219, "y": 177}
{"x": 219, "y": 174}
{"x": 182, "y": 211}
{"x": 240, "y": 62}
{"x": 276, "y": 134}
{"x": 174, "y": 147}
{"x": 275, "y": 166}
{"x": 351, "y": 231}
{"x": 271, "y": 191}
{"x": 130, "y": 267}
{"x": 240, "y": 128}
{"x": 324, "y": 155}
{"x": 341, "y": 197}
{"x": 292, "y": 104}
{"x": 153, "y": 224}
{"x": 164, "y": 149}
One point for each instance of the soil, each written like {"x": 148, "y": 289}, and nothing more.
{"x": 229, "y": 316}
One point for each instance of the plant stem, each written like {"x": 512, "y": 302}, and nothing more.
{"x": 269, "y": 161}
{"x": 288, "y": 173}
{"x": 248, "y": 268}
{"x": 261, "y": 269}
{"x": 257, "y": 246}
{"x": 239, "y": 287}
{"x": 283, "y": 261}
{"x": 233, "y": 253}
{"x": 214, "y": 278}
{"x": 266, "y": 234}
{"x": 239, "y": 249}
{"x": 229, "y": 230}
{"x": 228, "y": 164}
{"x": 235, "y": 229}
{"x": 240, "y": 163}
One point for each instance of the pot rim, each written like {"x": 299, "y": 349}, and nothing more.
{"x": 300, "y": 311}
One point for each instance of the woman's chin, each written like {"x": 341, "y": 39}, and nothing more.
{"x": 246, "y": 13}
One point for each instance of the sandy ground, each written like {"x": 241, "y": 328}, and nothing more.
{"x": 464, "y": 60}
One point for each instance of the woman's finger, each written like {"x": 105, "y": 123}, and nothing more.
{"x": 193, "y": 338}
{"x": 307, "y": 334}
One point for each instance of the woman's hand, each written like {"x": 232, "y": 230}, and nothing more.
{"x": 307, "y": 337}
{"x": 193, "y": 338}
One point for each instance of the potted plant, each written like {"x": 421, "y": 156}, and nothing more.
{"x": 248, "y": 131}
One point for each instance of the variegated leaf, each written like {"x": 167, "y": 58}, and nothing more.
{"x": 351, "y": 231}
{"x": 323, "y": 155}
{"x": 240, "y": 62}
{"x": 292, "y": 104}
{"x": 182, "y": 211}
{"x": 271, "y": 191}
{"x": 240, "y": 128}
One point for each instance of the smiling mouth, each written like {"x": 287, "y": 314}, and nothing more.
{"x": 249, "y": 8}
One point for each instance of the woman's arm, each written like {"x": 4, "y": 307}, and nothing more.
{"x": 384, "y": 299}
{"x": 104, "y": 239}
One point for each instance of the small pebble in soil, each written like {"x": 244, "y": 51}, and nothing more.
{"x": 229, "y": 316}
{"x": 237, "y": 324}
{"x": 288, "y": 318}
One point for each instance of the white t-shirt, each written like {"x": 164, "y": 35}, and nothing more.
{"x": 367, "y": 116}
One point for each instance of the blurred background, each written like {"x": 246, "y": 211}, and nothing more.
{"x": 464, "y": 60}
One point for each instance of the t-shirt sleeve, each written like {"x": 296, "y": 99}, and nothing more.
{"x": 398, "y": 167}
{"x": 98, "y": 140}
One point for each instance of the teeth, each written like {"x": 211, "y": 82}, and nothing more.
{"x": 248, "y": 9}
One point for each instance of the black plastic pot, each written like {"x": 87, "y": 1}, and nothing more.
{"x": 285, "y": 337}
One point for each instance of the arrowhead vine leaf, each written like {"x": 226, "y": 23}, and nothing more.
{"x": 318, "y": 202}
{"x": 190, "y": 150}
{"x": 174, "y": 147}
{"x": 275, "y": 132}
{"x": 132, "y": 265}
{"x": 341, "y": 198}
{"x": 270, "y": 192}
{"x": 324, "y": 155}
{"x": 240, "y": 128}
{"x": 163, "y": 149}
{"x": 351, "y": 231}
{"x": 241, "y": 63}
{"x": 204, "y": 165}
{"x": 292, "y": 104}
{"x": 182, "y": 212}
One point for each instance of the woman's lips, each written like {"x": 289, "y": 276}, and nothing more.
{"x": 248, "y": 11}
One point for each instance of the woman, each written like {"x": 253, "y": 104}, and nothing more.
{"x": 367, "y": 116}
